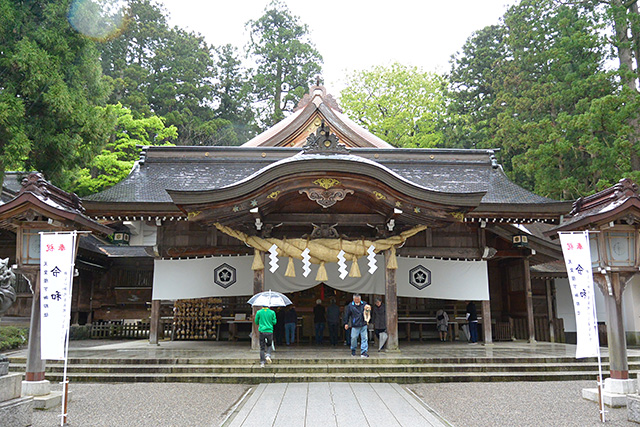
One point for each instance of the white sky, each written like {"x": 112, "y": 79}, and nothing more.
{"x": 353, "y": 34}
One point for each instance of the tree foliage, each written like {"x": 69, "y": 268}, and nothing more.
{"x": 51, "y": 90}
{"x": 233, "y": 94}
{"x": 164, "y": 71}
{"x": 117, "y": 158}
{"x": 401, "y": 105}
{"x": 287, "y": 61}
{"x": 543, "y": 97}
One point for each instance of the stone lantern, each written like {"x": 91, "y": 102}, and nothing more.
{"x": 612, "y": 217}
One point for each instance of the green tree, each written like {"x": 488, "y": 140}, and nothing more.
{"x": 625, "y": 19}
{"x": 402, "y": 105}
{"x": 473, "y": 86}
{"x": 169, "y": 72}
{"x": 233, "y": 91}
{"x": 117, "y": 158}
{"x": 543, "y": 97}
{"x": 553, "y": 74}
{"x": 287, "y": 61}
{"x": 51, "y": 87}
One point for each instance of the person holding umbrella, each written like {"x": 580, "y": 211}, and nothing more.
{"x": 266, "y": 320}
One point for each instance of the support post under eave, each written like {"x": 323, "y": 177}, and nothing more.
{"x": 550, "y": 313}
{"x": 487, "y": 334}
{"x": 154, "y": 325}
{"x": 391, "y": 302}
{"x": 258, "y": 286}
{"x": 35, "y": 364}
{"x": 616, "y": 336}
{"x": 529, "y": 300}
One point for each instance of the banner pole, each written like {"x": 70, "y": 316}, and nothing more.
{"x": 600, "y": 380}
{"x": 65, "y": 383}
{"x": 65, "y": 380}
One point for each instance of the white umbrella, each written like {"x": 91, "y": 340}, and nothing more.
{"x": 269, "y": 299}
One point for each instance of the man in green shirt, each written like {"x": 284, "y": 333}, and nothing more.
{"x": 265, "y": 319}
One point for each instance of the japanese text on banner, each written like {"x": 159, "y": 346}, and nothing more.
{"x": 56, "y": 263}
{"x": 577, "y": 257}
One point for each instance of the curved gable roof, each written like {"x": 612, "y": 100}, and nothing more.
{"x": 312, "y": 110}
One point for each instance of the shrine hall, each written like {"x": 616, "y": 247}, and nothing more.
{"x": 317, "y": 207}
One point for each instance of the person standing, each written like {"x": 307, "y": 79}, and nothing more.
{"x": 333, "y": 320}
{"x": 379, "y": 319}
{"x": 265, "y": 319}
{"x": 472, "y": 319}
{"x": 442, "y": 324}
{"x": 355, "y": 313}
{"x": 290, "y": 322}
{"x": 319, "y": 319}
{"x": 278, "y": 330}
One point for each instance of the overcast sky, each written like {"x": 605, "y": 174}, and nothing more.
{"x": 353, "y": 34}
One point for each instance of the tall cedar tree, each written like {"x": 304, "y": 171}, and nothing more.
{"x": 285, "y": 58}
{"x": 233, "y": 94}
{"x": 542, "y": 98}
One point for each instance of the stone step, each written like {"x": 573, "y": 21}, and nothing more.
{"x": 324, "y": 368}
{"x": 374, "y": 360}
{"x": 264, "y": 376}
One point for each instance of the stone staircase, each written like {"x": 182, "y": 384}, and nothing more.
{"x": 388, "y": 369}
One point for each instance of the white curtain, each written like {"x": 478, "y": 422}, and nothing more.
{"x": 456, "y": 280}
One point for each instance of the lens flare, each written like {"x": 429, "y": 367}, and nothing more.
{"x": 98, "y": 19}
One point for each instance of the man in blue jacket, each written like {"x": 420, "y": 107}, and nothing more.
{"x": 355, "y": 312}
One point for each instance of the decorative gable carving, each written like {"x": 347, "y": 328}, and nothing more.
{"x": 326, "y": 198}
{"x": 324, "y": 142}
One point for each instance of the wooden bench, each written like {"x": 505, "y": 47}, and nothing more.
{"x": 421, "y": 321}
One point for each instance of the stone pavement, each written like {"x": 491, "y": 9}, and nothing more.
{"x": 333, "y": 404}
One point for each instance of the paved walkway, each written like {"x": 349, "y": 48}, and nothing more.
{"x": 333, "y": 404}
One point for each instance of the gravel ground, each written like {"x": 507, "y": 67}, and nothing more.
{"x": 517, "y": 404}
{"x": 521, "y": 404}
{"x": 145, "y": 405}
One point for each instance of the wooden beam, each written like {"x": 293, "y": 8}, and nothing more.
{"x": 35, "y": 364}
{"x": 258, "y": 286}
{"x": 486, "y": 323}
{"x": 552, "y": 322}
{"x": 529, "y": 299}
{"x": 391, "y": 301}
{"x": 154, "y": 321}
{"x": 448, "y": 252}
{"x": 324, "y": 218}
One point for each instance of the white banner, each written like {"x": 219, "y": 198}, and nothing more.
{"x": 56, "y": 278}
{"x": 232, "y": 276}
{"x": 577, "y": 257}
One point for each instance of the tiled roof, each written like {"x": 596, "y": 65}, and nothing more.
{"x": 207, "y": 168}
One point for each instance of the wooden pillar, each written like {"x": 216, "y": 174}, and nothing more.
{"x": 258, "y": 286}
{"x": 529, "y": 300}
{"x": 550, "y": 313}
{"x": 35, "y": 364}
{"x": 487, "y": 335}
{"x": 391, "y": 302}
{"x": 154, "y": 324}
{"x": 616, "y": 336}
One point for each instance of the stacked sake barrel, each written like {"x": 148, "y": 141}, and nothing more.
{"x": 196, "y": 319}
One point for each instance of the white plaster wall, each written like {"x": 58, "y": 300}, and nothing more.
{"x": 631, "y": 304}
{"x": 564, "y": 304}
{"x": 146, "y": 236}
